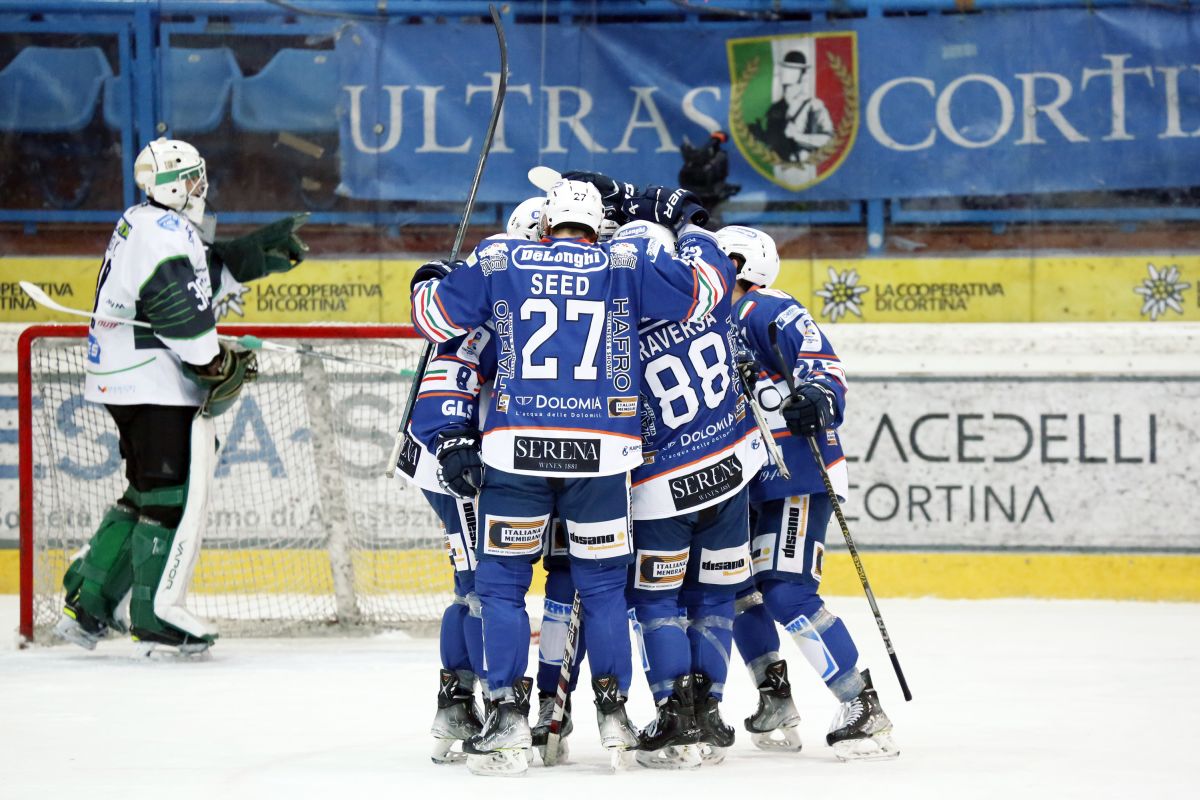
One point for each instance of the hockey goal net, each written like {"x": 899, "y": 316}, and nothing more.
{"x": 303, "y": 532}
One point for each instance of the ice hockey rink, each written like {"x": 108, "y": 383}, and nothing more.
{"x": 1032, "y": 698}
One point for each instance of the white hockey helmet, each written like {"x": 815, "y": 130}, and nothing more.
{"x": 525, "y": 220}
{"x": 640, "y": 229}
{"x": 760, "y": 258}
{"x": 172, "y": 174}
{"x": 573, "y": 203}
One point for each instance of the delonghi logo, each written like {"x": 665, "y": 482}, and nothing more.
{"x": 622, "y": 406}
{"x": 715, "y": 480}
{"x": 556, "y": 455}
{"x": 585, "y": 257}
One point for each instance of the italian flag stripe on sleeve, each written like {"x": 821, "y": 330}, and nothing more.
{"x": 745, "y": 310}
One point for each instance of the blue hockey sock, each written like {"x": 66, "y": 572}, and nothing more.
{"x": 472, "y": 626}
{"x": 755, "y": 633}
{"x": 822, "y": 637}
{"x": 501, "y": 586}
{"x": 664, "y": 638}
{"x": 601, "y": 590}
{"x": 452, "y": 643}
{"x": 710, "y": 633}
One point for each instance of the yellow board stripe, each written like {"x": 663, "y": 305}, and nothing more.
{"x": 1110, "y": 576}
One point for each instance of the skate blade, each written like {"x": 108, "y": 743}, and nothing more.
{"x": 501, "y": 763}
{"x": 621, "y": 758}
{"x": 560, "y": 757}
{"x": 879, "y": 747}
{"x": 710, "y": 756}
{"x": 686, "y": 756}
{"x": 780, "y": 740}
{"x": 153, "y": 651}
{"x": 444, "y": 754}
{"x": 71, "y": 631}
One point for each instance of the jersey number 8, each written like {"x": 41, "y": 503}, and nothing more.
{"x": 712, "y": 376}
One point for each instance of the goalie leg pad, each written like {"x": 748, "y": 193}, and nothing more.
{"x": 103, "y": 573}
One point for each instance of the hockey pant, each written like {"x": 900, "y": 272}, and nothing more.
{"x": 788, "y": 546}
{"x": 516, "y": 510}
{"x": 686, "y": 572}
{"x": 461, "y": 639}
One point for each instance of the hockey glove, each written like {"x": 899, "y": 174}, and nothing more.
{"x": 810, "y": 410}
{"x": 613, "y": 193}
{"x": 747, "y": 367}
{"x": 270, "y": 249}
{"x": 460, "y": 470}
{"x": 434, "y": 271}
{"x": 224, "y": 378}
{"x": 673, "y": 208}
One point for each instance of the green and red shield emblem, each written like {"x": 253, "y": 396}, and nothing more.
{"x": 793, "y": 104}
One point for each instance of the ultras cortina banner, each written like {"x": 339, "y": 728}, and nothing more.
{"x": 994, "y": 103}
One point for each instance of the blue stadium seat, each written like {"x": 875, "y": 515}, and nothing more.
{"x": 52, "y": 89}
{"x": 196, "y": 89}
{"x": 297, "y": 91}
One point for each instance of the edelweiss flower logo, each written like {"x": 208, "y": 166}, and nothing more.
{"x": 842, "y": 294}
{"x": 231, "y": 302}
{"x": 1162, "y": 290}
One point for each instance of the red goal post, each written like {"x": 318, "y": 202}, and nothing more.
{"x": 326, "y": 426}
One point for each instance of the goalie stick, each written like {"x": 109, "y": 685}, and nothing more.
{"x": 773, "y": 333}
{"x": 389, "y": 469}
{"x": 249, "y": 342}
{"x": 554, "y": 737}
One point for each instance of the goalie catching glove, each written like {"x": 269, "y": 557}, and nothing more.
{"x": 811, "y": 409}
{"x": 460, "y": 470}
{"x": 224, "y": 377}
{"x": 270, "y": 249}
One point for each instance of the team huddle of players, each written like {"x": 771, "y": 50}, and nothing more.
{"x": 589, "y": 406}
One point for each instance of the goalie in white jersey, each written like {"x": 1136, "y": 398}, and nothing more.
{"x": 162, "y": 385}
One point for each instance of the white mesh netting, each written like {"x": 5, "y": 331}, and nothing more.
{"x": 304, "y": 533}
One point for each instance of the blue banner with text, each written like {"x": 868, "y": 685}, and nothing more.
{"x": 999, "y": 103}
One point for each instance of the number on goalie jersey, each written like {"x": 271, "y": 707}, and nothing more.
{"x": 155, "y": 271}
{"x": 813, "y": 359}
{"x": 565, "y": 314}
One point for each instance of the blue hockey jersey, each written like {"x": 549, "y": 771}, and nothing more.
{"x": 565, "y": 314}
{"x": 699, "y": 443}
{"x": 812, "y": 359}
{"x": 447, "y": 397}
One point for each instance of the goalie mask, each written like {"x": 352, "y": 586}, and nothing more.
{"x": 172, "y": 174}
{"x": 572, "y": 203}
{"x": 524, "y": 223}
{"x": 760, "y": 259}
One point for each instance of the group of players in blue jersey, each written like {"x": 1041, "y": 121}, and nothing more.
{"x": 588, "y": 406}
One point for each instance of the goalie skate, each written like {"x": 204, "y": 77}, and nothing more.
{"x": 457, "y": 719}
{"x": 502, "y": 747}
{"x": 775, "y": 723}
{"x": 79, "y": 627}
{"x": 860, "y": 730}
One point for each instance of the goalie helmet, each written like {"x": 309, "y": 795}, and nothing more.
{"x": 760, "y": 259}
{"x": 173, "y": 174}
{"x": 573, "y": 203}
{"x": 641, "y": 229}
{"x": 524, "y": 222}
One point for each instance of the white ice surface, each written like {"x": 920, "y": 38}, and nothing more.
{"x": 1014, "y": 699}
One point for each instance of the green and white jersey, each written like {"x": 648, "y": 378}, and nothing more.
{"x": 154, "y": 270}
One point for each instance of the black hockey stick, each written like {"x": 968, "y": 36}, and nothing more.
{"x": 773, "y": 332}
{"x": 460, "y": 234}
{"x": 554, "y": 737}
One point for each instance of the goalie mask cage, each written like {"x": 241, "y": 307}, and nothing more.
{"x": 303, "y": 533}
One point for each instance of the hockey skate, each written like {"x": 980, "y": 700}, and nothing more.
{"x": 457, "y": 719}
{"x": 502, "y": 747}
{"x": 185, "y": 644}
{"x": 860, "y": 730}
{"x": 78, "y": 626}
{"x": 617, "y": 734}
{"x": 542, "y": 729}
{"x": 715, "y": 736}
{"x": 775, "y": 724}
{"x": 672, "y": 739}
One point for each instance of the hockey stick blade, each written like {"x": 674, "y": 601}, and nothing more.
{"x": 389, "y": 470}
{"x": 543, "y": 177}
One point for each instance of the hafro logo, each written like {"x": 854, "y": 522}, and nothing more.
{"x": 1163, "y": 289}
{"x": 793, "y": 104}
{"x": 842, "y": 295}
